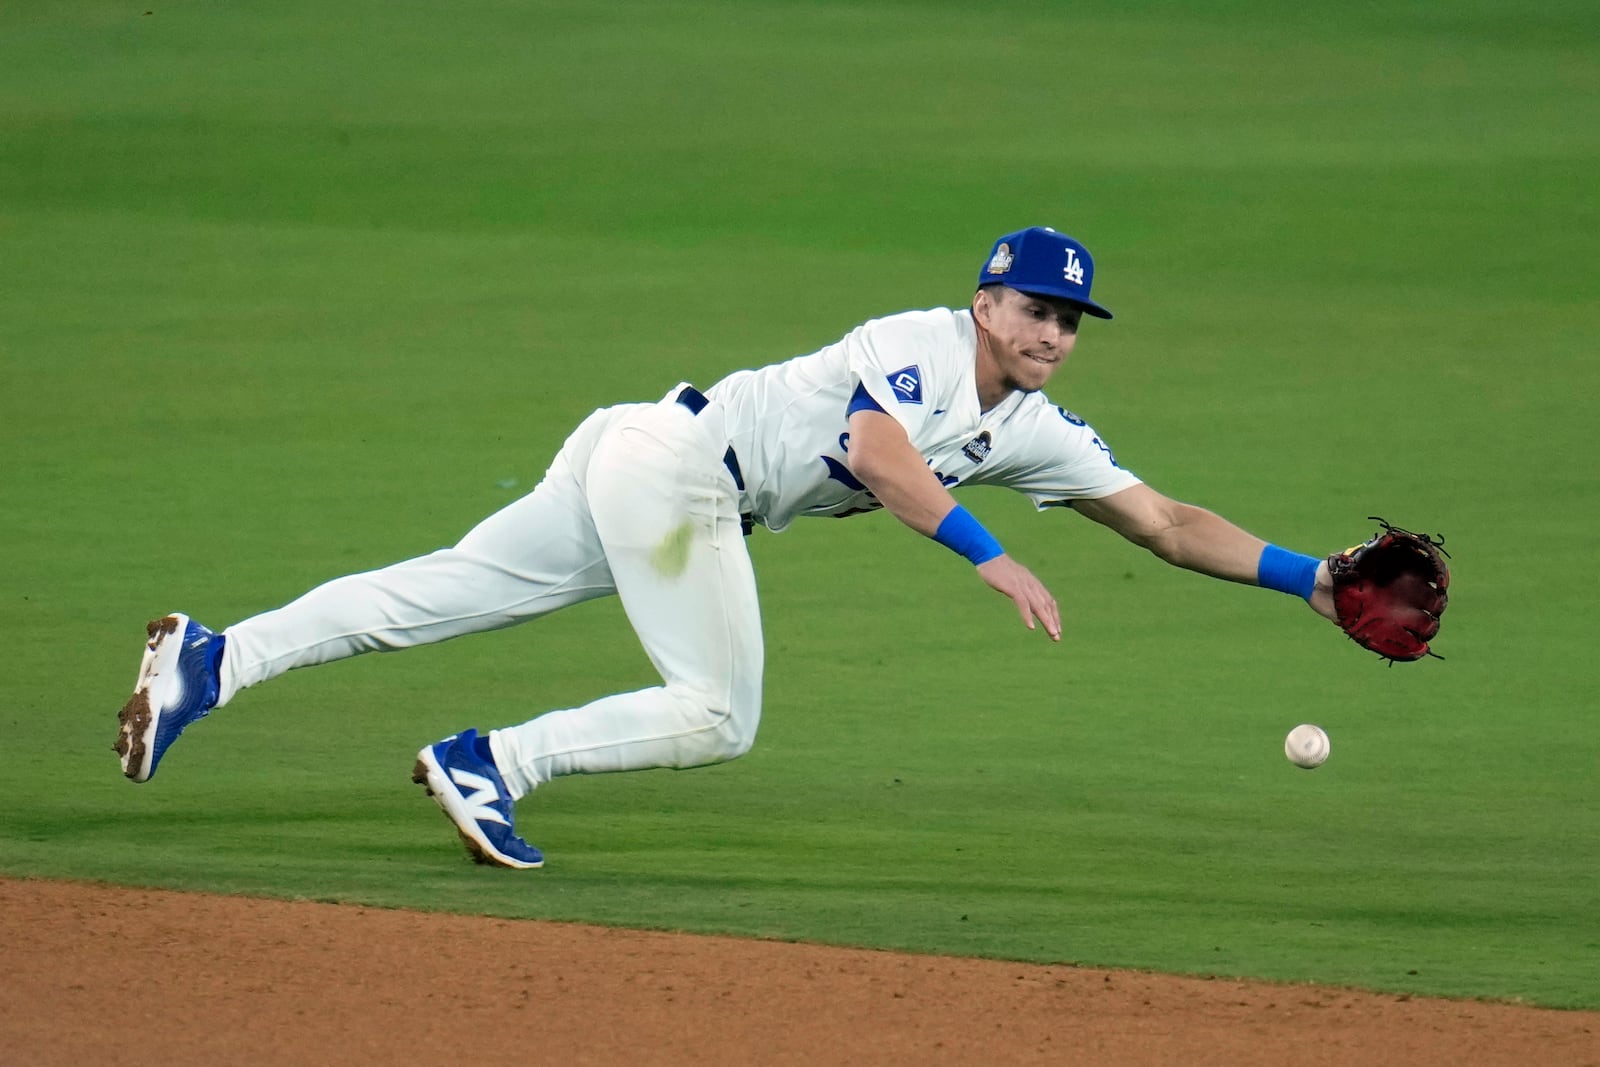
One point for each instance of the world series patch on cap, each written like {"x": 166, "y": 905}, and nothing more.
{"x": 1041, "y": 261}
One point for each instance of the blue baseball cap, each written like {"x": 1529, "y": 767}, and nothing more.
{"x": 1041, "y": 261}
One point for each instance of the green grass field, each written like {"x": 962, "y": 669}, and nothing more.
{"x": 288, "y": 291}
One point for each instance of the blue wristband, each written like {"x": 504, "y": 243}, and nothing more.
{"x": 962, "y": 533}
{"x": 1287, "y": 572}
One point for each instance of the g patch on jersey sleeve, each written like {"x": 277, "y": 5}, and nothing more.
{"x": 907, "y": 384}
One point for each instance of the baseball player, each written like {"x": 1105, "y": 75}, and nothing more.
{"x": 651, "y": 502}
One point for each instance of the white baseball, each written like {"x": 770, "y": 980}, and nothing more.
{"x": 1307, "y": 746}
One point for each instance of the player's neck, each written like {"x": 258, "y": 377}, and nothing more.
{"x": 993, "y": 387}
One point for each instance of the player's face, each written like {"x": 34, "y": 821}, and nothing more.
{"x": 1028, "y": 336}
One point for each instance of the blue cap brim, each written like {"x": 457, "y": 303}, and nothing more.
{"x": 1089, "y": 306}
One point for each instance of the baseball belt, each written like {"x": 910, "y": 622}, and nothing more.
{"x": 696, "y": 402}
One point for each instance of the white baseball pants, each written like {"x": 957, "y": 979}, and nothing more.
{"x": 639, "y": 503}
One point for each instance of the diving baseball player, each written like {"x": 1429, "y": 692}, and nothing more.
{"x": 651, "y": 502}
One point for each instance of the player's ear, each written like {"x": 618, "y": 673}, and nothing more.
{"x": 982, "y": 306}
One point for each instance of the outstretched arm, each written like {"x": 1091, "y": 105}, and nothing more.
{"x": 1193, "y": 538}
{"x": 882, "y": 456}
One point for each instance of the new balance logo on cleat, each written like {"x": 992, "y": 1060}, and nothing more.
{"x": 477, "y": 805}
{"x": 460, "y": 775}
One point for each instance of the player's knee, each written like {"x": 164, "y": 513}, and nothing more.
{"x": 736, "y": 735}
{"x": 727, "y": 726}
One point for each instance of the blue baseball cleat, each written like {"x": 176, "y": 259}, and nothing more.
{"x": 177, "y": 685}
{"x": 461, "y": 777}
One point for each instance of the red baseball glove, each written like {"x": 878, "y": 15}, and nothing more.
{"x": 1390, "y": 591}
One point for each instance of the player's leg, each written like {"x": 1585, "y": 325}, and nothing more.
{"x": 532, "y": 557}
{"x": 666, "y": 510}
{"x": 484, "y": 583}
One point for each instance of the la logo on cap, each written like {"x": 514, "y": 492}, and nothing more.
{"x": 1073, "y": 271}
{"x": 1001, "y": 262}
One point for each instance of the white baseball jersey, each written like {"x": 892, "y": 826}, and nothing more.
{"x": 788, "y": 423}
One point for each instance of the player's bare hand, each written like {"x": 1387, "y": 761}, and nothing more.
{"x": 1322, "y": 594}
{"x": 1033, "y": 600}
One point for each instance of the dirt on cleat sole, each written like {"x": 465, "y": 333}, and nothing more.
{"x": 133, "y": 721}
{"x": 419, "y": 775}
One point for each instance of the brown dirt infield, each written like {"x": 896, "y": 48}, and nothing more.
{"x": 102, "y": 975}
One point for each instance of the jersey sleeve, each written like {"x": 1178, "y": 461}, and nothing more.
{"x": 1063, "y": 460}
{"x": 899, "y": 363}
